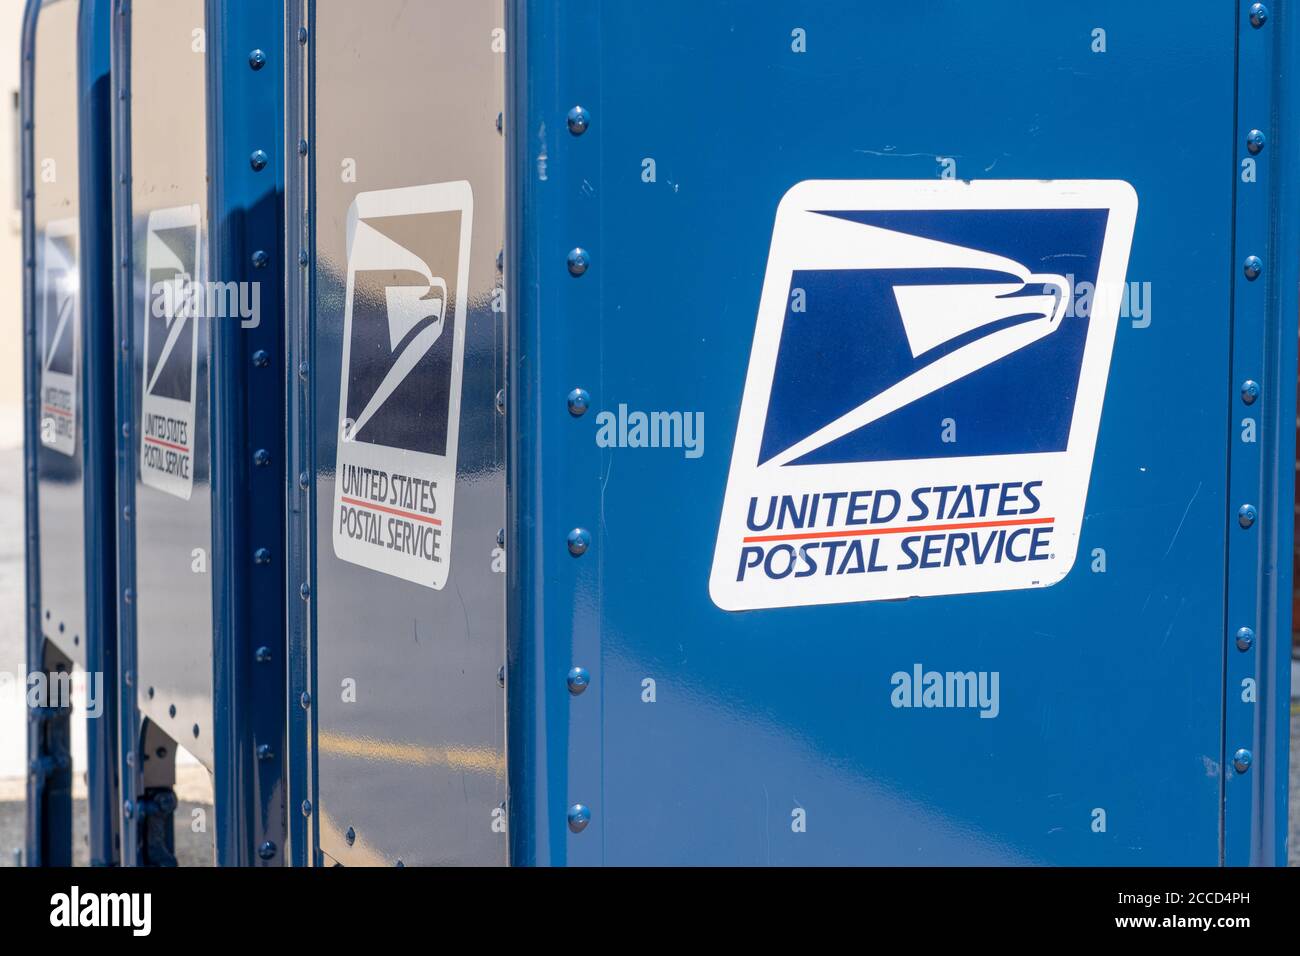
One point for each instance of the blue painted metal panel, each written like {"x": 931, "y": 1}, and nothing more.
{"x": 245, "y": 122}
{"x": 713, "y": 736}
{"x": 70, "y": 427}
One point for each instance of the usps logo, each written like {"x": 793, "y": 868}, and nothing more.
{"x": 60, "y": 336}
{"x": 173, "y": 260}
{"x": 399, "y": 393}
{"x": 922, "y": 403}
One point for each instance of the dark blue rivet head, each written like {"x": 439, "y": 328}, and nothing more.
{"x": 578, "y": 680}
{"x": 302, "y": 147}
{"x": 1253, "y": 266}
{"x": 1246, "y": 515}
{"x": 579, "y": 120}
{"x": 304, "y": 480}
{"x": 579, "y": 541}
{"x": 263, "y": 655}
{"x": 302, "y": 257}
{"x": 257, "y": 59}
{"x": 501, "y": 537}
{"x": 262, "y": 556}
{"x": 302, "y": 34}
{"x": 128, "y": 596}
{"x": 1249, "y": 391}
{"x": 304, "y": 700}
{"x": 501, "y": 123}
{"x": 304, "y": 591}
{"x": 501, "y": 676}
{"x": 579, "y": 402}
{"x": 126, "y": 513}
{"x": 350, "y": 836}
{"x": 579, "y": 817}
{"x": 261, "y": 259}
{"x": 1242, "y": 760}
{"x": 128, "y": 808}
{"x": 1254, "y": 141}
{"x": 261, "y": 358}
{"x": 258, "y": 160}
{"x": 264, "y": 752}
{"x": 195, "y": 730}
{"x": 306, "y": 808}
{"x": 171, "y": 710}
{"x": 129, "y": 678}
{"x": 1258, "y": 15}
{"x": 267, "y": 850}
{"x": 501, "y": 259}
{"x": 261, "y": 457}
{"x": 579, "y": 261}
{"x": 1245, "y": 638}
{"x": 501, "y": 401}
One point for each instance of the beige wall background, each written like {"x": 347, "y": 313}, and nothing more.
{"x": 11, "y": 277}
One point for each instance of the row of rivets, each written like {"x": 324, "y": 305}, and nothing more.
{"x": 579, "y": 539}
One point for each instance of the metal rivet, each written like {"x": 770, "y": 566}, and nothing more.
{"x": 304, "y": 700}
{"x": 306, "y": 808}
{"x": 304, "y": 480}
{"x": 1246, "y": 515}
{"x": 303, "y": 368}
{"x": 501, "y": 537}
{"x": 263, "y": 655}
{"x": 128, "y": 596}
{"x": 264, "y": 752}
{"x": 578, "y": 680}
{"x": 579, "y": 261}
{"x": 150, "y": 693}
{"x": 1253, "y": 266}
{"x": 257, "y": 59}
{"x": 126, "y": 513}
{"x": 579, "y": 541}
{"x": 500, "y": 123}
{"x": 302, "y": 257}
{"x": 1258, "y": 15}
{"x": 579, "y": 402}
{"x": 196, "y": 730}
{"x": 261, "y": 259}
{"x": 262, "y": 556}
{"x": 304, "y": 591}
{"x": 130, "y": 758}
{"x": 1242, "y": 760}
{"x": 579, "y": 120}
{"x": 302, "y": 147}
{"x": 128, "y": 808}
{"x": 267, "y": 850}
{"x": 501, "y": 676}
{"x": 1249, "y": 391}
{"x": 261, "y": 457}
{"x": 302, "y": 34}
{"x": 501, "y": 260}
{"x": 350, "y": 836}
{"x": 579, "y": 817}
{"x": 126, "y": 430}
{"x": 261, "y": 359}
{"x": 1245, "y": 638}
{"x": 1254, "y": 141}
{"x": 258, "y": 160}
{"x": 501, "y": 401}
{"x": 171, "y": 711}
{"x": 128, "y": 678}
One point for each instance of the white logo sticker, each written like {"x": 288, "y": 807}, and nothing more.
{"x": 60, "y": 336}
{"x": 399, "y": 391}
{"x": 924, "y": 391}
{"x": 173, "y": 259}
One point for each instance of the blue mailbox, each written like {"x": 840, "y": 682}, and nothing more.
{"x": 200, "y": 490}
{"x": 71, "y": 617}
